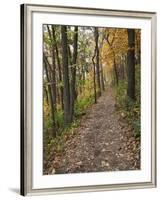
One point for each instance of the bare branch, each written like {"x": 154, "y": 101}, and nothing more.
{"x": 107, "y": 39}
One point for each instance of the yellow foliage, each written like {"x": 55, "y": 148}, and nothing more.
{"x": 117, "y": 46}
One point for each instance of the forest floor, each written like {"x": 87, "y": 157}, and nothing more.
{"x": 102, "y": 142}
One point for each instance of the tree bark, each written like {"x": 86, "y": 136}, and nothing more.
{"x": 73, "y": 73}
{"x": 116, "y": 72}
{"x": 66, "y": 89}
{"x": 94, "y": 76}
{"x": 53, "y": 67}
{"x": 131, "y": 64}
{"x": 96, "y": 34}
{"x": 50, "y": 97}
{"x": 102, "y": 77}
{"x": 58, "y": 64}
{"x": 122, "y": 67}
{"x": 46, "y": 93}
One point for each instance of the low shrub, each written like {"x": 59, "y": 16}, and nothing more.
{"x": 129, "y": 109}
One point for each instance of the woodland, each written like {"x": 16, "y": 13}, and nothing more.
{"x": 91, "y": 99}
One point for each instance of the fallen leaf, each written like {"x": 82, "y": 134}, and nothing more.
{"x": 105, "y": 164}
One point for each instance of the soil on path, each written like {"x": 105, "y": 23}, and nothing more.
{"x": 103, "y": 142}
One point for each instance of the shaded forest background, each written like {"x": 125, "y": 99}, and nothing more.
{"x": 80, "y": 63}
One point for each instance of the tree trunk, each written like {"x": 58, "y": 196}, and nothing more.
{"x": 66, "y": 89}
{"x": 73, "y": 73}
{"x": 80, "y": 79}
{"x": 102, "y": 77}
{"x": 122, "y": 69}
{"x": 59, "y": 65}
{"x": 131, "y": 64}
{"x": 94, "y": 76}
{"x": 46, "y": 93}
{"x": 53, "y": 68}
{"x": 50, "y": 97}
{"x": 97, "y": 61}
{"x": 58, "y": 91}
{"x": 116, "y": 72}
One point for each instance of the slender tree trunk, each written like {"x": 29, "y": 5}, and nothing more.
{"x": 73, "y": 73}
{"x": 66, "y": 89}
{"x": 102, "y": 77}
{"x": 97, "y": 61}
{"x": 50, "y": 97}
{"x": 58, "y": 91}
{"x": 70, "y": 61}
{"x": 53, "y": 67}
{"x": 137, "y": 46}
{"x": 122, "y": 70}
{"x": 54, "y": 79}
{"x": 58, "y": 64}
{"x": 126, "y": 67}
{"x": 94, "y": 77}
{"x": 95, "y": 92}
{"x": 131, "y": 64}
{"x": 80, "y": 79}
{"x": 83, "y": 77}
{"x": 116, "y": 72}
{"x": 46, "y": 93}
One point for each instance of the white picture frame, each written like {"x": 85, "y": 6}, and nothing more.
{"x": 33, "y": 182}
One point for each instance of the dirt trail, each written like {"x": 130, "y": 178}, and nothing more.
{"x": 103, "y": 142}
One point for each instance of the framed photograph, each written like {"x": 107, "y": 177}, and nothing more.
{"x": 88, "y": 99}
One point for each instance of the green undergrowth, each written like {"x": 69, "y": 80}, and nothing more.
{"x": 129, "y": 109}
{"x": 82, "y": 104}
{"x": 63, "y": 133}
